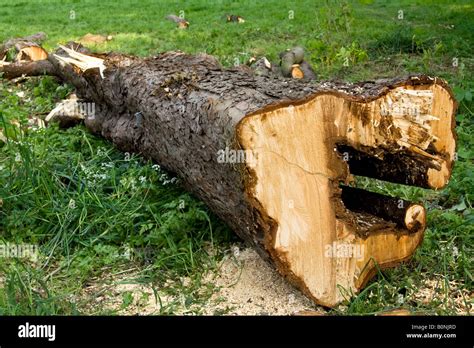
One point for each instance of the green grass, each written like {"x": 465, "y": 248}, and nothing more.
{"x": 94, "y": 211}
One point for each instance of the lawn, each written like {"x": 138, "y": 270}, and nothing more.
{"x": 97, "y": 214}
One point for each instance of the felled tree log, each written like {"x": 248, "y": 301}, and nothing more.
{"x": 269, "y": 155}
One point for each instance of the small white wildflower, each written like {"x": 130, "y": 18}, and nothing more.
{"x": 71, "y": 204}
{"x": 155, "y": 167}
{"x": 97, "y": 176}
{"x": 400, "y": 299}
{"x": 182, "y": 300}
{"x": 455, "y": 252}
{"x": 142, "y": 179}
{"x": 18, "y": 157}
{"x": 127, "y": 254}
{"x": 128, "y": 183}
{"x": 123, "y": 181}
{"x": 100, "y": 151}
{"x": 86, "y": 170}
{"x": 107, "y": 165}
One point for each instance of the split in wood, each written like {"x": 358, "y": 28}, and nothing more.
{"x": 406, "y": 167}
{"x": 81, "y": 61}
{"x": 405, "y": 214}
{"x": 294, "y": 180}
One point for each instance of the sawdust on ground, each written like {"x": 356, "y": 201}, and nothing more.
{"x": 244, "y": 284}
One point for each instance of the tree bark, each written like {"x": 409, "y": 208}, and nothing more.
{"x": 36, "y": 68}
{"x": 261, "y": 152}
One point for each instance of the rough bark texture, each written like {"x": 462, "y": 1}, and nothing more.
{"x": 38, "y": 68}
{"x": 189, "y": 108}
{"x": 183, "y": 110}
